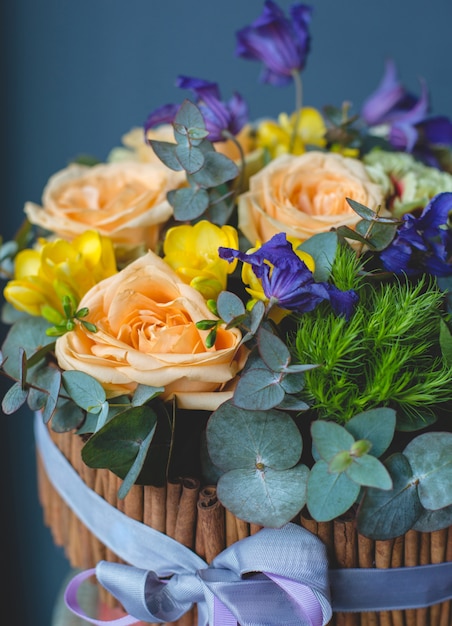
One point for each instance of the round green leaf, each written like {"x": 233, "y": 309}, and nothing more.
{"x": 229, "y": 306}
{"x": 329, "y": 438}
{"x": 259, "y": 389}
{"x": 376, "y": 425}
{"x": 216, "y": 170}
{"x": 188, "y": 203}
{"x": 429, "y": 521}
{"x": 28, "y": 333}
{"x": 85, "y": 390}
{"x": 13, "y": 399}
{"x": 430, "y": 457}
{"x": 237, "y": 438}
{"x": 191, "y": 159}
{"x": 322, "y": 247}
{"x": 269, "y": 498}
{"x": 273, "y": 351}
{"x": 329, "y": 495}
{"x": 388, "y": 514}
{"x": 368, "y": 471}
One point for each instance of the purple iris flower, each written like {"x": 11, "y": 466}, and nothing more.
{"x": 409, "y": 127}
{"x": 423, "y": 244}
{"x": 219, "y": 116}
{"x": 287, "y": 281}
{"x": 282, "y": 44}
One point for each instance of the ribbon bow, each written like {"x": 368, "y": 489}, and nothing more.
{"x": 275, "y": 577}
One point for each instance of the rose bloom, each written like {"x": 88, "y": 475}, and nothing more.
{"x": 146, "y": 333}
{"x": 125, "y": 201}
{"x": 304, "y": 195}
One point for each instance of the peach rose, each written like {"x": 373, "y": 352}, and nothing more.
{"x": 146, "y": 333}
{"x": 304, "y": 195}
{"x": 125, "y": 201}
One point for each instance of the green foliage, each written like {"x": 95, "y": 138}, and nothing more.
{"x": 387, "y": 354}
{"x": 258, "y": 453}
{"x": 207, "y": 171}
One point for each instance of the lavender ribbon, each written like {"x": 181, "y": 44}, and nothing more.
{"x": 295, "y": 593}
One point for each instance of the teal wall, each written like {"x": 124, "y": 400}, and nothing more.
{"x": 77, "y": 74}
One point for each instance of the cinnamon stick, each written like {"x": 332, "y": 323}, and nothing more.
{"x": 398, "y": 617}
{"x": 186, "y": 515}
{"x": 231, "y": 528}
{"x": 243, "y": 528}
{"x": 438, "y": 546}
{"x": 154, "y": 507}
{"x": 211, "y": 520}
{"x": 366, "y": 559}
{"x": 383, "y": 559}
{"x": 173, "y": 493}
{"x": 346, "y": 554}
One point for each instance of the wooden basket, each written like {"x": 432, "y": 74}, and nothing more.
{"x": 191, "y": 513}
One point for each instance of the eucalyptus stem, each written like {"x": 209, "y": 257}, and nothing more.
{"x": 298, "y": 104}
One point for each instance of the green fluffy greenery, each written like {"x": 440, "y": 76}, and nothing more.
{"x": 387, "y": 354}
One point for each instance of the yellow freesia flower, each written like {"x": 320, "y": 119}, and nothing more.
{"x": 44, "y": 275}
{"x": 276, "y": 137}
{"x": 192, "y": 252}
{"x": 254, "y": 284}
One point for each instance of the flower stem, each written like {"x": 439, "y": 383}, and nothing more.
{"x": 241, "y": 180}
{"x": 298, "y": 104}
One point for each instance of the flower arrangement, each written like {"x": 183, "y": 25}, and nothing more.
{"x": 262, "y": 304}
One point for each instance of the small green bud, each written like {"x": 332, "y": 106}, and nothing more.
{"x": 361, "y": 447}
{"x": 340, "y": 462}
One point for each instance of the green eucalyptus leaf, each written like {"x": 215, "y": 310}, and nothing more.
{"x": 409, "y": 421}
{"x": 291, "y": 403}
{"x": 85, "y": 390}
{"x": 293, "y": 382}
{"x": 28, "y": 334}
{"x": 340, "y": 462}
{"x": 166, "y": 152}
{"x": 376, "y": 425}
{"x": 188, "y": 203}
{"x": 329, "y": 494}
{"x": 363, "y": 211}
{"x": 229, "y": 306}
{"x": 329, "y": 439}
{"x": 322, "y": 247}
{"x": 132, "y": 475}
{"x": 368, "y": 471}
{"x": 121, "y": 441}
{"x": 53, "y": 387}
{"x": 217, "y": 169}
{"x": 101, "y": 415}
{"x": 191, "y": 159}
{"x": 379, "y": 235}
{"x": 68, "y": 416}
{"x": 388, "y": 514}
{"x": 259, "y": 389}
{"x": 14, "y": 398}
{"x": 349, "y": 233}
{"x": 189, "y": 116}
{"x": 270, "y": 498}
{"x": 145, "y": 393}
{"x": 238, "y": 438}
{"x": 273, "y": 351}
{"x": 430, "y": 521}
{"x": 430, "y": 457}
{"x": 196, "y": 135}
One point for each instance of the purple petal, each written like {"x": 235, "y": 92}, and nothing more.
{"x": 384, "y": 98}
{"x": 163, "y": 115}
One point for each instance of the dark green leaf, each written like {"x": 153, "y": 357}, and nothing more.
{"x": 27, "y": 333}
{"x": 188, "y": 203}
{"x": 85, "y": 390}
{"x": 166, "y": 152}
{"x": 273, "y": 351}
{"x": 322, "y": 247}
{"x": 14, "y": 398}
{"x": 379, "y": 236}
{"x": 388, "y": 514}
{"x": 191, "y": 159}
{"x": 216, "y": 170}
{"x": 429, "y": 521}
{"x": 362, "y": 210}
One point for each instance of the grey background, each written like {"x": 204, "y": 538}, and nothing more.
{"x": 77, "y": 74}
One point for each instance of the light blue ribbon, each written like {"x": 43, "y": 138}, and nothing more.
{"x": 292, "y": 585}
